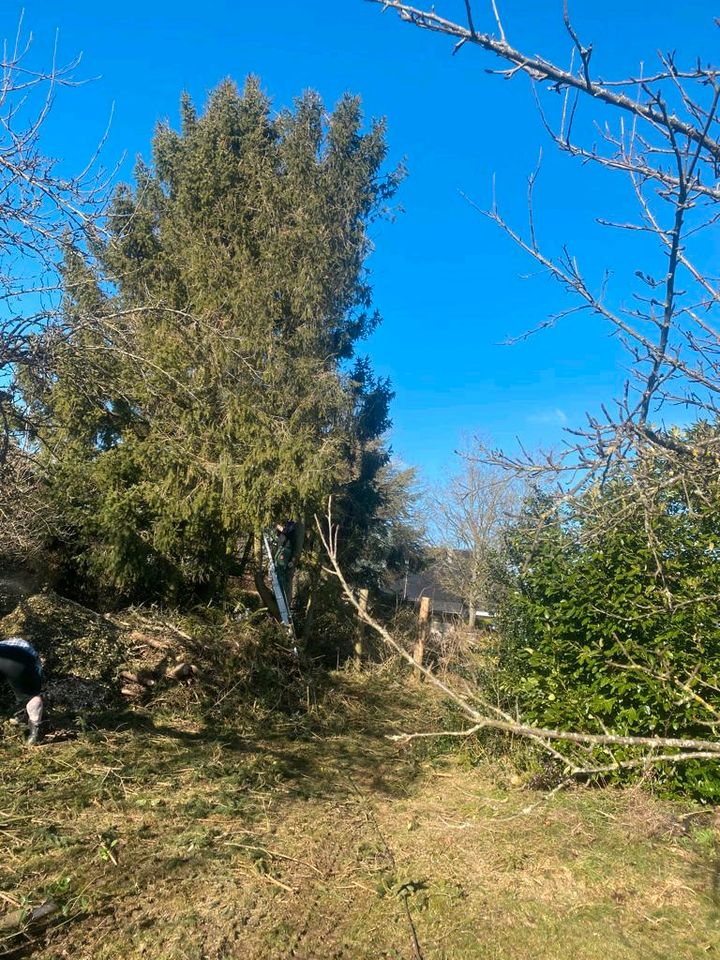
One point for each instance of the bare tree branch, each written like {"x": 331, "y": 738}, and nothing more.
{"x": 540, "y": 69}
{"x": 43, "y": 215}
{"x": 691, "y": 748}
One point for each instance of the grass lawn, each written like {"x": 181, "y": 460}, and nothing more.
{"x": 317, "y": 838}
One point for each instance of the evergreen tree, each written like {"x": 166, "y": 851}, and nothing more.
{"x": 212, "y": 392}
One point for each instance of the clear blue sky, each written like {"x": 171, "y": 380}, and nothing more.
{"x": 450, "y": 286}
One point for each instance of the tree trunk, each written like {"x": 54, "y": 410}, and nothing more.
{"x": 245, "y": 556}
{"x": 299, "y": 542}
{"x": 267, "y": 596}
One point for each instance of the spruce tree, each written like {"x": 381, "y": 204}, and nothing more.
{"x": 204, "y": 386}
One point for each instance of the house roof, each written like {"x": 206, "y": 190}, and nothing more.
{"x": 411, "y": 587}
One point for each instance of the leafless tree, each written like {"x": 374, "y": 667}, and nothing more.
{"x": 471, "y": 512}
{"x": 44, "y": 213}
{"x": 24, "y": 520}
{"x": 662, "y": 136}
{"x": 659, "y": 131}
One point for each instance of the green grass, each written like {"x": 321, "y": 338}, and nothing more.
{"x": 306, "y": 836}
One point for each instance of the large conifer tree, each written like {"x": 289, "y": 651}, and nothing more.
{"x": 207, "y": 382}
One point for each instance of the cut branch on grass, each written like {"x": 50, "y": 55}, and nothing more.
{"x": 27, "y": 916}
{"x": 689, "y": 748}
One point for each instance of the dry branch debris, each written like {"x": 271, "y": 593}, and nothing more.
{"x": 655, "y": 748}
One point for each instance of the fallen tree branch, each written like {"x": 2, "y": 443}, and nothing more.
{"x": 690, "y": 748}
{"x": 646, "y": 761}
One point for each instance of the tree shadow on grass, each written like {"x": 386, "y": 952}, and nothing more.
{"x": 315, "y": 755}
{"x": 174, "y": 790}
{"x": 24, "y": 942}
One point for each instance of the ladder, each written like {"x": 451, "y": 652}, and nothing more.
{"x": 281, "y": 599}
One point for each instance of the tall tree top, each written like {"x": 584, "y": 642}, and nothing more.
{"x": 260, "y": 218}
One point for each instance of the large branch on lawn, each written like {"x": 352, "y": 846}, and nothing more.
{"x": 495, "y": 719}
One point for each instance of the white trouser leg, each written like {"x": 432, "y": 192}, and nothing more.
{"x": 34, "y": 709}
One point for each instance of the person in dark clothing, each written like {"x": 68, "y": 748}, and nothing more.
{"x": 20, "y": 666}
{"x": 285, "y": 555}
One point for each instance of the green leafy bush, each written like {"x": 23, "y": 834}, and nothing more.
{"x": 614, "y": 620}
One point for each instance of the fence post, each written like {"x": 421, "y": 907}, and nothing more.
{"x": 360, "y": 635}
{"x": 423, "y": 630}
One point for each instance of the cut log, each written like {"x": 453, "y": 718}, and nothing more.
{"x": 24, "y": 917}
{"x": 157, "y": 644}
{"x": 181, "y": 672}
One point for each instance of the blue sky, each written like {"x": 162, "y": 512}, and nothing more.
{"x": 450, "y": 286}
